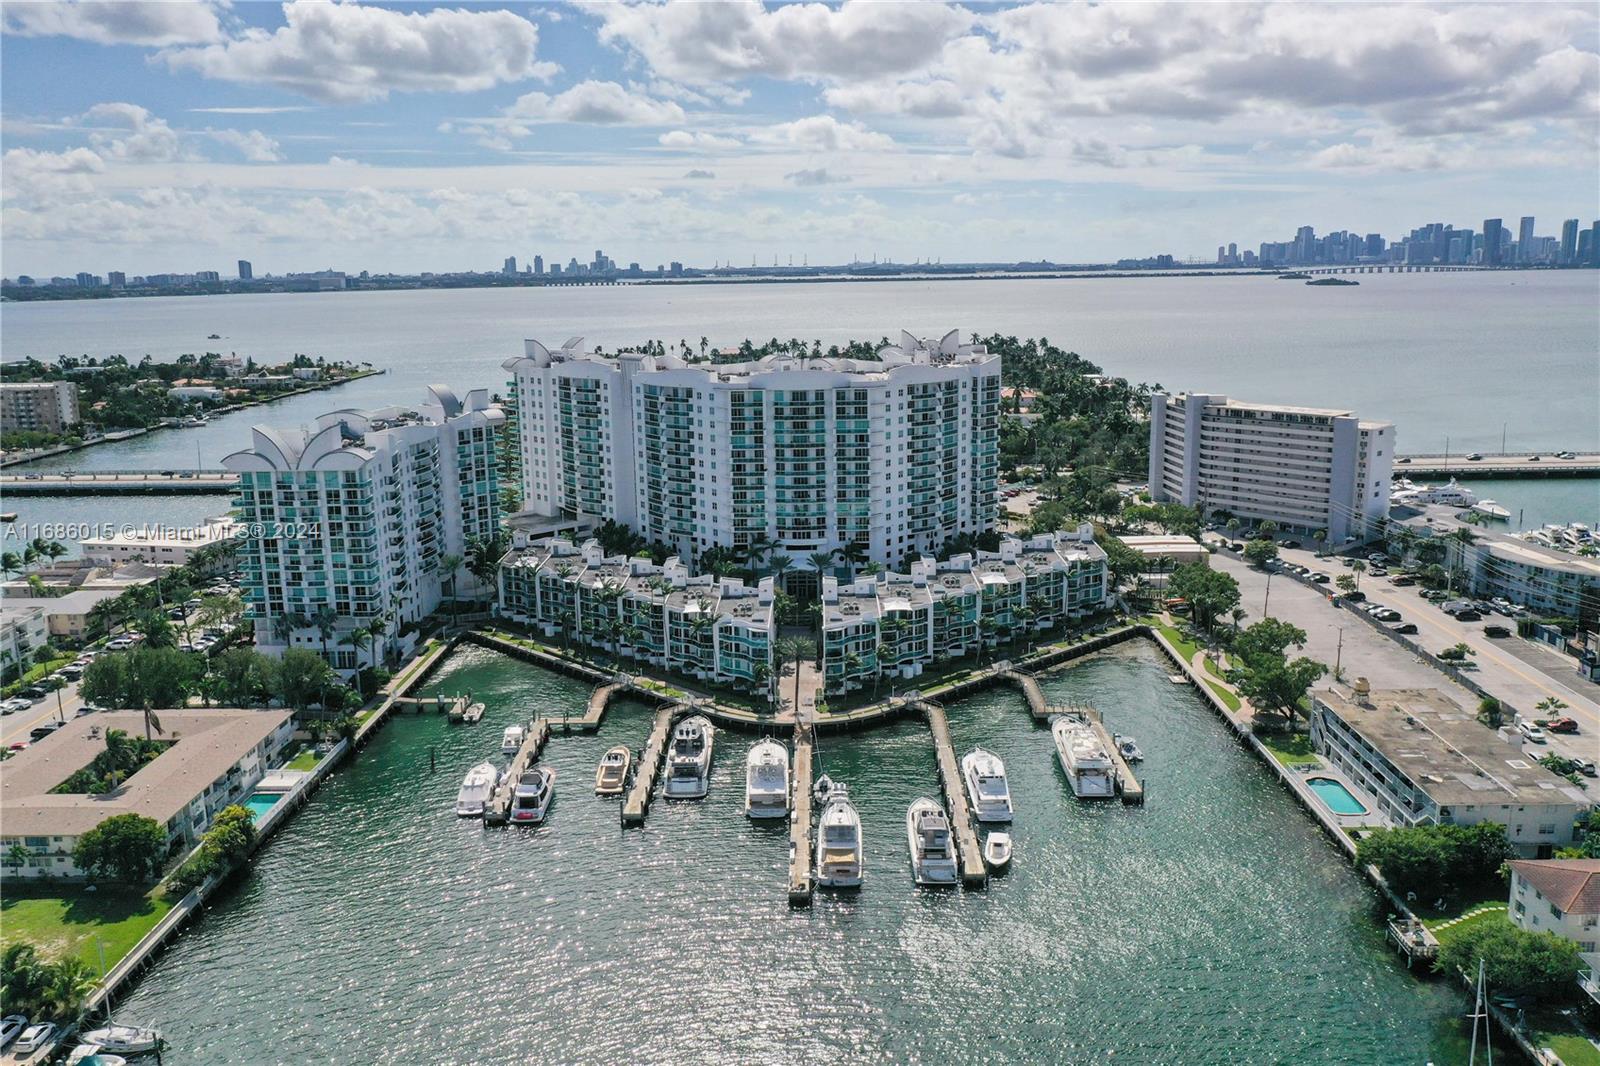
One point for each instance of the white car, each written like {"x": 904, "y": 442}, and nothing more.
{"x": 1532, "y": 732}
{"x": 35, "y": 1038}
{"x": 15, "y": 704}
{"x": 10, "y": 1026}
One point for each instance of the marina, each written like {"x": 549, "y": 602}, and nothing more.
{"x": 1163, "y": 890}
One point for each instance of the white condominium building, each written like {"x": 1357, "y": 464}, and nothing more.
{"x": 894, "y": 624}
{"x": 354, "y": 514}
{"x": 1305, "y": 468}
{"x": 713, "y": 628}
{"x": 898, "y": 455}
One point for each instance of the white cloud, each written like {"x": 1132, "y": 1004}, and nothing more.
{"x": 256, "y": 146}
{"x": 823, "y": 133}
{"x": 34, "y": 178}
{"x": 115, "y": 21}
{"x": 349, "y": 53}
{"x": 813, "y": 176}
{"x": 698, "y": 139}
{"x": 702, "y": 43}
{"x": 247, "y": 110}
{"x": 601, "y": 103}
{"x": 129, "y": 132}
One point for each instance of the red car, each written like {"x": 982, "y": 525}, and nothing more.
{"x": 1562, "y": 725}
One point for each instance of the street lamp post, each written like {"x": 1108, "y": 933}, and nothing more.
{"x": 1268, "y": 597}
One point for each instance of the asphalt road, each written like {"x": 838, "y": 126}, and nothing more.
{"x": 15, "y": 727}
{"x": 1336, "y": 635}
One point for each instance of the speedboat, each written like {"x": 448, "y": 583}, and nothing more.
{"x": 1083, "y": 758}
{"x": 124, "y": 1039}
{"x": 530, "y": 801}
{"x": 511, "y": 739}
{"x": 839, "y": 852}
{"x": 1490, "y": 509}
{"x": 94, "y": 1055}
{"x": 1128, "y": 748}
{"x": 933, "y": 858}
{"x": 689, "y": 763}
{"x": 476, "y": 788}
{"x": 997, "y": 851}
{"x": 820, "y": 790}
{"x": 611, "y": 776}
{"x": 987, "y": 790}
{"x": 766, "y": 781}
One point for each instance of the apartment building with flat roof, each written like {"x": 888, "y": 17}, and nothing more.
{"x": 38, "y": 406}
{"x": 1305, "y": 468}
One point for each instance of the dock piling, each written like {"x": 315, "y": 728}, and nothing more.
{"x": 800, "y": 819}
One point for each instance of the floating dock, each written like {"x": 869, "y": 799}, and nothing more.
{"x": 800, "y": 819}
{"x": 454, "y": 706}
{"x": 1129, "y": 787}
{"x": 648, "y": 765}
{"x": 498, "y": 810}
{"x": 973, "y": 871}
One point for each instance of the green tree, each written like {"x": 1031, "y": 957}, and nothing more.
{"x": 1490, "y": 713}
{"x": 124, "y": 847}
{"x": 1437, "y": 860}
{"x": 245, "y": 677}
{"x": 1515, "y": 960}
{"x": 1259, "y": 553}
{"x": 1209, "y": 593}
{"x": 1280, "y": 687}
{"x": 1267, "y": 641}
{"x": 70, "y": 981}
{"x": 301, "y": 677}
{"x": 797, "y": 650}
{"x": 232, "y": 833}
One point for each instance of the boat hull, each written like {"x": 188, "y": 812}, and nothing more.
{"x": 925, "y": 871}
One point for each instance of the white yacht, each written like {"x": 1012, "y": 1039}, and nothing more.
{"x": 1406, "y": 493}
{"x": 123, "y": 1039}
{"x": 1128, "y": 747}
{"x": 531, "y": 800}
{"x": 94, "y": 1055}
{"x": 766, "y": 781}
{"x": 1083, "y": 758}
{"x": 987, "y": 790}
{"x": 689, "y": 761}
{"x": 933, "y": 850}
{"x": 1490, "y": 509}
{"x": 476, "y": 788}
{"x": 997, "y": 851}
{"x": 839, "y": 852}
{"x": 511, "y": 739}
{"x": 611, "y": 776}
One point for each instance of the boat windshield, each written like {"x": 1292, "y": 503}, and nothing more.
{"x": 840, "y": 836}
{"x": 990, "y": 787}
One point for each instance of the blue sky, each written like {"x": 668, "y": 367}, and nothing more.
{"x": 180, "y": 136}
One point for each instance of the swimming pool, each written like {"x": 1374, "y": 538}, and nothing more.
{"x": 262, "y": 802}
{"x": 1335, "y": 795}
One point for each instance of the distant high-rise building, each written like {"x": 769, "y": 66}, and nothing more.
{"x": 555, "y": 270}
{"x": 510, "y": 266}
{"x": 207, "y": 275}
{"x": 87, "y": 281}
{"x": 677, "y": 267}
{"x": 1585, "y": 249}
{"x": 538, "y": 264}
{"x": 1569, "y": 243}
{"x": 118, "y": 280}
{"x": 1492, "y": 230}
{"x": 1305, "y": 245}
{"x": 246, "y": 272}
{"x": 1222, "y": 255}
{"x": 1233, "y": 252}
{"x": 1375, "y": 244}
{"x": 1525, "y": 240}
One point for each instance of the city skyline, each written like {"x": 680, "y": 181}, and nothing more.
{"x": 436, "y": 140}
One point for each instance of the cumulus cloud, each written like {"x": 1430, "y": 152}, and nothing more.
{"x": 602, "y": 103}
{"x": 702, "y": 43}
{"x": 349, "y": 53}
{"x": 698, "y": 139}
{"x": 254, "y": 145}
{"x": 115, "y": 21}
{"x": 129, "y": 132}
{"x": 823, "y": 133}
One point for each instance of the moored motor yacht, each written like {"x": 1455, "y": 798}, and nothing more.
{"x": 1490, "y": 509}
{"x": 94, "y": 1055}
{"x": 933, "y": 856}
{"x": 531, "y": 800}
{"x": 611, "y": 776}
{"x": 839, "y": 846}
{"x": 476, "y": 788}
{"x": 511, "y": 739}
{"x": 689, "y": 761}
{"x": 123, "y": 1039}
{"x": 766, "y": 781}
{"x": 1083, "y": 758}
{"x": 987, "y": 789}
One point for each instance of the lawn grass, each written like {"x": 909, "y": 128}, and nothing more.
{"x": 306, "y": 760}
{"x": 1477, "y": 913}
{"x": 1228, "y": 699}
{"x": 1290, "y": 749}
{"x": 1573, "y": 1048}
{"x": 61, "y": 921}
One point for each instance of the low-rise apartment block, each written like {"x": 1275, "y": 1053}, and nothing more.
{"x": 893, "y": 624}
{"x": 1561, "y": 896}
{"x": 38, "y": 406}
{"x": 1427, "y": 761}
{"x": 708, "y": 627}
{"x": 1305, "y": 468}
{"x": 216, "y": 759}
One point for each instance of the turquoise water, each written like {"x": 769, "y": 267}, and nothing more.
{"x": 1335, "y": 795}
{"x": 262, "y": 802}
{"x": 1213, "y": 925}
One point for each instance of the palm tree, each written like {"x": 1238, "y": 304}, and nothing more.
{"x": 761, "y": 675}
{"x": 1358, "y": 568}
{"x": 820, "y": 561}
{"x": 777, "y": 566}
{"x": 357, "y": 638}
{"x": 853, "y": 555}
{"x": 852, "y": 666}
{"x": 325, "y": 619}
{"x": 53, "y": 550}
{"x": 69, "y": 983}
{"x": 797, "y": 650}
{"x": 11, "y": 563}
{"x": 451, "y": 565}
{"x": 1464, "y": 539}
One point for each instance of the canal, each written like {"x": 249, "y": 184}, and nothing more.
{"x": 1215, "y": 924}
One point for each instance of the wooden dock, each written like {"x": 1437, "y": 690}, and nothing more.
{"x": 1129, "y": 787}
{"x": 800, "y": 819}
{"x": 648, "y": 765}
{"x": 451, "y": 705}
{"x": 973, "y": 871}
{"x": 599, "y": 700}
{"x": 1037, "y": 706}
{"x": 498, "y": 810}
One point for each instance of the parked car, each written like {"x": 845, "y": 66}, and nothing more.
{"x": 1289, "y": 544}
{"x": 1566, "y": 455}
{"x": 1435, "y": 595}
{"x": 34, "y": 693}
{"x": 72, "y": 671}
{"x": 1321, "y": 579}
{"x": 36, "y": 1037}
{"x": 1532, "y": 732}
{"x": 15, "y": 704}
{"x": 1561, "y": 725}
{"x": 1468, "y": 615}
{"x": 1378, "y": 557}
{"x": 1587, "y": 768}
{"x": 1496, "y": 631}
{"x": 39, "y": 732}
{"x": 10, "y": 1026}
{"x": 1403, "y": 581}
{"x": 1404, "y": 627}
